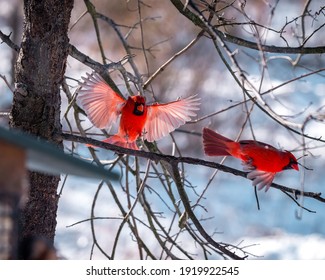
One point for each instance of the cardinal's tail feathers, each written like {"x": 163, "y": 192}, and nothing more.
{"x": 216, "y": 144}
{"x": 121, "y": 141}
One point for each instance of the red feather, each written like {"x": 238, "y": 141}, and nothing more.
{"x": 104, "y": 106}
{"x": 262, "y": 160}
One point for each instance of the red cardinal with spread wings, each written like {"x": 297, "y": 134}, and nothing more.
{"x": 152, "y": 122}
{"x": 261, "y": 160}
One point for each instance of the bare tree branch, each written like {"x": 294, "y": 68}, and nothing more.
{"x": 6, "y": 39}
{"x": 188, "y": 209}
{"x": 176, "y": 160}
{"x": 197, "y": 20}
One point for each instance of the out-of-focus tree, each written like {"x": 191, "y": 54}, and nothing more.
{"x": 38, "y": 74}
{"x": 247, "y": 60}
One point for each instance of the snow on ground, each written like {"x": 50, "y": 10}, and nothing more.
{"x": 274, "y": 232}
{"x": 285, "y": 246}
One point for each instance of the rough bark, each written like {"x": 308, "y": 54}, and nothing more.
{"x": 39, "y": 71}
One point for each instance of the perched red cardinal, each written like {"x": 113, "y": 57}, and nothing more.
{"x": 152, "y": 122}
{"x": 262, "y": 160}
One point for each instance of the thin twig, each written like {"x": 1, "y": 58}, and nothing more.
{"x": 188, "y": 208}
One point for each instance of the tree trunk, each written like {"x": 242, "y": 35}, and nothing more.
{"x": 39, "y": 72}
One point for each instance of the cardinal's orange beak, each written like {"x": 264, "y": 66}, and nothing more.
{"x": 294, "y": 166}
{"x": 140, "y": 108}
